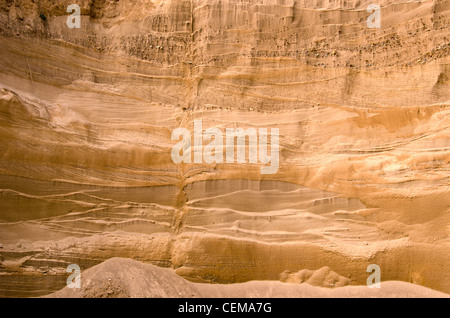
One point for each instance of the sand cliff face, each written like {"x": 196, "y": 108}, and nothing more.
{"x": 86, "y": 117}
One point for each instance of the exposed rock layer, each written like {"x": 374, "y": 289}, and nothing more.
{"x": 86, "y": 117}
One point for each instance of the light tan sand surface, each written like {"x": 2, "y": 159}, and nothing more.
{"x": 120, "y": 277}
{"x": 86, "y": 117}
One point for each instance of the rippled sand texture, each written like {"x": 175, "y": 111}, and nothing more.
{"x": 86, "y": 117}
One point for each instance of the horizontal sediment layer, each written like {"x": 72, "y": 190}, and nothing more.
{"x": 86, "y": 122}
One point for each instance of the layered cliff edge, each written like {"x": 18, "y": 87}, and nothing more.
{"x": 86, "y": 117}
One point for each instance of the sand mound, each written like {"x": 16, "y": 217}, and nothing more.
{"x": 119, "y": 277}
{"x": 323, "y": 277}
